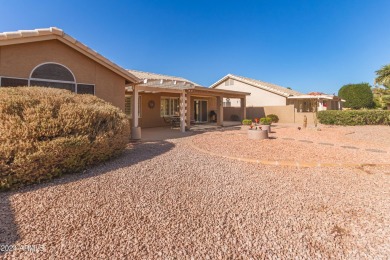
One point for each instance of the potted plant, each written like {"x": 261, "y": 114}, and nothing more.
{"x": 274, "y": 118}
{"x": 256, "y": 120}
{"x": 266, "y": 123}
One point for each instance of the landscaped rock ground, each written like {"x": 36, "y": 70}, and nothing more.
{"x": 334, "y": 145}
{"x": 165, "y": 200}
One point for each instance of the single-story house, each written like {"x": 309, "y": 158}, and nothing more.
{"x": 158, "y": 98}
{"x": 49, "y": 57}
{"x": 262, "y": 93}
{"x": 291, "y": 106}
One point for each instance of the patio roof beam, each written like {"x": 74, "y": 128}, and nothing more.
{"x": 166, "y": 83}
{"x": 210, "y": 93}
{"x": 155, "y": 89}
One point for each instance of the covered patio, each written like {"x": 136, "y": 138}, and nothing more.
{"x": 177, "y": 98}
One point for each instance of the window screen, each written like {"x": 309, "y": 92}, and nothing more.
{"x": 85, "y": 89}
{"x": 53, "y": 72}
{"x": 13, "y": 82}
{"x": 41, "y": 83}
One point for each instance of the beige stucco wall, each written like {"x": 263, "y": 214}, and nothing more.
{"x": 150, "y": 117}
{"x": 20, "y": 59}
{"x": 286, "y": 114}
{"x": 258, "y": 97}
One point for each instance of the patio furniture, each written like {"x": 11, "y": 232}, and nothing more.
{"x": 173, "y": 121}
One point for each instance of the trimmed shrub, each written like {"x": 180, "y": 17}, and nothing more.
{"x": 357, "y": 96}
{"x": 265, "y": 121}
{"x": 354, "y": 117}
{"x": 274, "y": 118}
{"x": 46, "y": 132}
{"x": 247, "y": 121}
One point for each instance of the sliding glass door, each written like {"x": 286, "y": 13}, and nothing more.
{"x": 200, "y": 111}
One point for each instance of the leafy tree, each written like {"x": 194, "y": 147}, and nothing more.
{"x": 381, "y": 97}
{"x": 383, "y": 76}
{"x": 357, "y": 95}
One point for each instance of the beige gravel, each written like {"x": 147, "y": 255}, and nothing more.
{"x": 162, "y": 200}
{"x": 348, "y": 144}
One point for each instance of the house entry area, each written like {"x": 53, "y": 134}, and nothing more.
{"x": 200, "y": 111}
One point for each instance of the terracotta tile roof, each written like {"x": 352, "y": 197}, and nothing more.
{"x": 260, "y": 84}
{"x": 9, "y": 38}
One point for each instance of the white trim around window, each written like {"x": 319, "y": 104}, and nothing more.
{"x": 128, "y": 106}
{"x": 169, "y": 106}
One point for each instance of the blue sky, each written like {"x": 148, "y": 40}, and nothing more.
{"x": 305, "y": 45}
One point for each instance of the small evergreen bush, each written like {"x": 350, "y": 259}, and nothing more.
{"x": 247, "y": 121}
{"x": 45, "y": 132}
{"x": 354, "y": 117}
{"x": 274, "y": 118}
{"x": 265, "y": 121}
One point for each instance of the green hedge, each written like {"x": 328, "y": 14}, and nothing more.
{"x": 354, "y": 117}
{"x": 45, "y": 132}
{"x": 247, "y": 121}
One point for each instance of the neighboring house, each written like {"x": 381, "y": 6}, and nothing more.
{"x": 262, "y": 93}
{"x": 291, "y": 106}
{"x": 322, "y": 101}
{"x": 49, "y": 57}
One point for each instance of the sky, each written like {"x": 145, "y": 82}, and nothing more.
{"x": 306, "y": 45}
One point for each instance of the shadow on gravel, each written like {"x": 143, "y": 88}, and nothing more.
{"x": 8, "y": 228}
{"x": 137, "y": 153}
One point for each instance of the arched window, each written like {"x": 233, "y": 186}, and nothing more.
{"x": 53, "y": 75}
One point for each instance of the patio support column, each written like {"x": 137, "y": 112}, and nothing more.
{"x": 243, "y": 108}
{"x": 220, "y": 110}
{"x": 188, "y": 112}
{"x": 135, "y": 129}
{"x": 183, "y": 112}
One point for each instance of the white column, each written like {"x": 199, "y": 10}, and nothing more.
{"x": 183, "y": 112}
{"x": 135, "y": 129}
{"x": 188, "y": 110}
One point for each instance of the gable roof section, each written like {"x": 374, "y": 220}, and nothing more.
{"x": 282, "y": 91}
{"x": 53, "y": 33}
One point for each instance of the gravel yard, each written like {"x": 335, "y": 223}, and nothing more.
{"x": 349, "y": 145}
{"x": 164, "y": 200}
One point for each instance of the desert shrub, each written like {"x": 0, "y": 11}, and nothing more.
{"x": 45, "y": 132}
{"x": 247, "y": 121}
{"x": 274, "y": 118}
{"x": 354, "y": 117}
{"x": 357, "y": 96}
{"x": 265, "y": 121}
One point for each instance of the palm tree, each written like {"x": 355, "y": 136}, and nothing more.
{"x": 383, "y": 76}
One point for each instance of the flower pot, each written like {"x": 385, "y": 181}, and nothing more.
{"x": 257, "y": 134}
{"x": 266, "y": 127}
